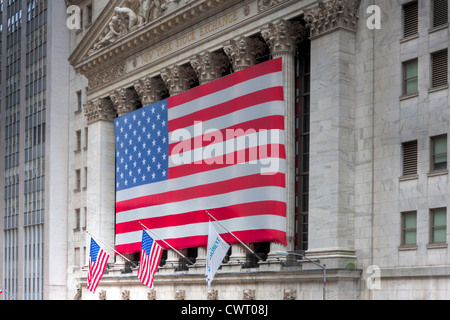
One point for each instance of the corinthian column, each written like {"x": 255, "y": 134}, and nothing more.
{"x": 150, "y": 90}
{"x": 209, "y": 66}
{"x": 331, "y": 207}
{"x": 125, "y": 101}
{"x": 282, "y": 37}
{"x": 243, "y": 52}
{"x": 177, "y": 80}
{"x": 100, "y": 114}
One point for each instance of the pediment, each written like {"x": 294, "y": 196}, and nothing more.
{"x": 126, "y": 27}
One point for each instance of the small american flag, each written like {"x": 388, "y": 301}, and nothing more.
{"x": 150, "y": 258}
{"x": 97, "y": 264}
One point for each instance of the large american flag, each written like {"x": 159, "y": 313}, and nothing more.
{"x": 150, "y": 257}
{"x": 217, "y": 148}
{"x": 98, "y": 258}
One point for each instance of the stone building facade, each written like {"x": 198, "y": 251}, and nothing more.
{"x": 366, "y": 136}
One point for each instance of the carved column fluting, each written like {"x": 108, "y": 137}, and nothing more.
{"x": 209, "y": 66}
{"x": 283, "y": 37}
{"x": 124, "y": 100}
{"x": 243, "y": 52}
{"x": 150, "y": 90}
{"x": 100, "y": 114}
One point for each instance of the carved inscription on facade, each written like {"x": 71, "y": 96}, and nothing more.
{"x": 187, "y": 39}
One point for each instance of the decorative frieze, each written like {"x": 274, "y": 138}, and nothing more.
{"x": 151, "y": 295}
{"x": 107, "y": 76}
{"x": 210, "y": 66}
{"x": 125, "y": 101}
{"x": 334, "y": 14}
{"x": 99, "y": 109}
{"x": 243, "y": 52}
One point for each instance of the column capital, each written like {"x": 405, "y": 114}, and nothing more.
{"x": 178, "y": 78}
{"x": 124, "y": 100}
{"x": 150, "y": 90}
{"x": 332, "y": 15}
{"x": 99, "y": 109}
{"x": 243, "y": 52}
{"x": 283, "y": 36}
{"x": 209, "y": 66}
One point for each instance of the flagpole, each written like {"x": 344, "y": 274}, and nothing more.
{"x": 113, "y": 249}
{"x": 247, "y": 247}
{"x": 166, "y": 243}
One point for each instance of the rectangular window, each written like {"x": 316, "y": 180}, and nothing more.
{"x": 409, "y": 228}
{"x": 410, "y": 158}
{"x": 410, "y": 77}
{"x": 439, "y": 153}
{"x": 410, "y": 19}
{"x": 78, "y": 179}
{"x": 79, "y": 101}
{"x": 78, "y": 142}
{"x": 89, "y": 14}
{"x": 438, "y": 224}
{"x": 439, "y": 69}
{"x": 440, "y": 13}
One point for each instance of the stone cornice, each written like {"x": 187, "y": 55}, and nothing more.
{"x": 331, "y": 15}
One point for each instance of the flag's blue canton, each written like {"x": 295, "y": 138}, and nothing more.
{"x": 147, "y": 243}
{"x": 95, "y": 248}
{"x": 142, "y": 146}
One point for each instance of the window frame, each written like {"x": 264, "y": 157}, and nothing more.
{"x": 433, "y": 154}
{"x": 405, "y": 79}
{"x": 404, "y": 230}
{"x": 434, "y": 227}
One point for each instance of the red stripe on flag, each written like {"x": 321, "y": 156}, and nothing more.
{"x": 238, "y": 130}
{"x": 230, "y": 212}
{"x": 253, "y": 72}
{"x": 234, "y": 105}
{"x": 236, "y": 184}
{"x": 230, "y": 159}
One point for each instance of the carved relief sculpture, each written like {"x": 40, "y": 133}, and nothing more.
{"x": 127, "y": 20}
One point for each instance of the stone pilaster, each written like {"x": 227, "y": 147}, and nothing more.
{"x": 209, "y": 66}
{"x": 282, "y": 37}
{"x": 124, "y": 100}
{"x": 331, "y": 216}
{"x": 100, "y": 114}
{"x": 150, "y": 90}
{"x": 243, "y": 52}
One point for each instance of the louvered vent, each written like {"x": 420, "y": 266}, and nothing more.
{"x": 439, "y": 69}
{"x": 410, "y": 158}
{"x": 440, "y": 13}
{"x": 411, "y": 16}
